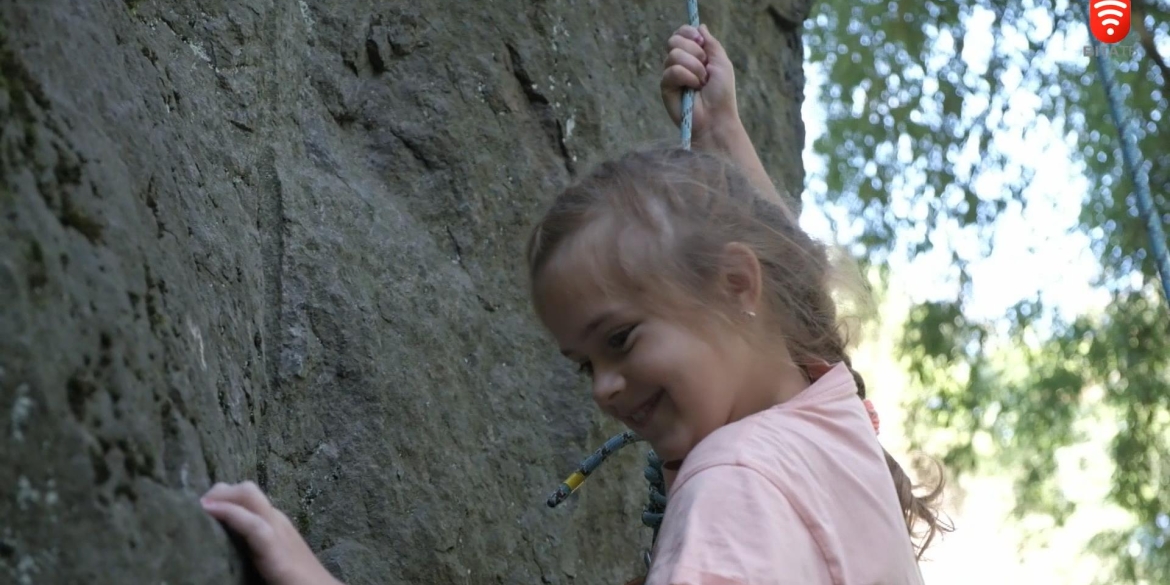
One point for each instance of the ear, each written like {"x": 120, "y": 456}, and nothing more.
{"x": 741, "y": 277}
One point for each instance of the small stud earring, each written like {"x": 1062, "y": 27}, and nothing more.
{"x": 751, "y": 314}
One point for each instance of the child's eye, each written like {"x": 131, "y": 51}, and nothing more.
{"x": 586, "y": 368}
{"x": 618, "y": 340}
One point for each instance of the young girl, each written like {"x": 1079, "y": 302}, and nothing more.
{"x": 684, "y": 287}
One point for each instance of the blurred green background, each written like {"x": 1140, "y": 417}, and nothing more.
{"x": 964, "y": 152}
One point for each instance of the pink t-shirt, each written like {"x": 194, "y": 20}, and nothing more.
{"x": 796, "y": 494}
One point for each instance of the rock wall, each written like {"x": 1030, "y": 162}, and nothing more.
{"x": 282, "y": 240}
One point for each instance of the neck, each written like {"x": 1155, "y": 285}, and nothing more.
{"x": 774, "y": 385}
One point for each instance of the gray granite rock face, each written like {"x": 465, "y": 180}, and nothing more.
{"x": 282, "y": 241}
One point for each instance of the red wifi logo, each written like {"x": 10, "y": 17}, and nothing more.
{"x": 1109, "y": 20}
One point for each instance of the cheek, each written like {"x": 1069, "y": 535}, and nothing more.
{"x": 657, "y": 358}
{"x": 690, "y": 371}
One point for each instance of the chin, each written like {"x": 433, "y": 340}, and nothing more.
{"x": 671, "y": 448}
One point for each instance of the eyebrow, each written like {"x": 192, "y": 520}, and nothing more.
{"x": 590, "y": 328}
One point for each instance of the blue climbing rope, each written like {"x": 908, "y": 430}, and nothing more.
{"x": 1137, "y": 173}
{"x": 688, "y": 97}
{"x": 574, "y": 481}
{"x": 656, "y": 506}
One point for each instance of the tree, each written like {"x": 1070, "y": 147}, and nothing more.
{"x": 926, "y": 103}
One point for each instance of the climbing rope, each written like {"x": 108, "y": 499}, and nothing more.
{"x": 688, "y": 97}
{"x": 655, "y": 508}
{"x": 1137, "y": 172}
{"x": 574, "y": 481}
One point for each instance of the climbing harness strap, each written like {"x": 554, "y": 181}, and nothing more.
{"x": 656, "y": 506}
{"x": 1129, "y": 157}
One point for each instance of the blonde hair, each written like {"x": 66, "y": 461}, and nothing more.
{"x": 696, "y": 203}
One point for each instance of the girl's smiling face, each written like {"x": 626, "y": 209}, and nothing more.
{"x": 671, "y": 381}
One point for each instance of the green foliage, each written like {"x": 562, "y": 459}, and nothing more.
{"x": 927, "y": 98}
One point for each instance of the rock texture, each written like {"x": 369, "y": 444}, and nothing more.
{"x": 281, "y": 240}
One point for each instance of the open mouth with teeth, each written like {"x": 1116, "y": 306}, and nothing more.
{"x": 644, "y": 412}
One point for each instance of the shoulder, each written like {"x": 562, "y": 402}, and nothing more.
{"x": 730, "y": 488}
{"x": 762, "y": 443}
{"x": 731, "y": 524}
{"x": 823, "y": 435}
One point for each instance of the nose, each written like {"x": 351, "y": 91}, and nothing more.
{"x": 607, "y": 384}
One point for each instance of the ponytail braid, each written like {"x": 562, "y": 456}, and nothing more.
{"x": 857, "y": 379}
{"x": 824, "y": 340}
{"x": 819, "y": 322}
{"x": 916, "y": 508}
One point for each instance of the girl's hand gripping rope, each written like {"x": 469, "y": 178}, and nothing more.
{"x": 696, "y": 60}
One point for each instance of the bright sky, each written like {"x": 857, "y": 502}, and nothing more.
{"x": 1037, "y": 250}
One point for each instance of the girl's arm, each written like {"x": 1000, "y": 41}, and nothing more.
{"x": 733, "y": 141}
{"x": 697, "y": 60}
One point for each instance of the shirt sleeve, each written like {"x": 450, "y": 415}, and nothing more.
{"x": 729, "y": 525}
